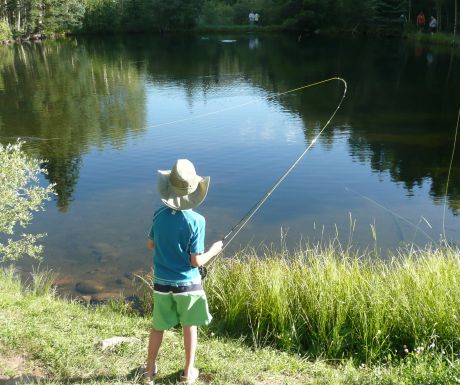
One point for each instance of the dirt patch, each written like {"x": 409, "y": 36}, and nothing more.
{"x": 18, "y": 368}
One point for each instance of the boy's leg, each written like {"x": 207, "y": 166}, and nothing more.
{"x": 156, "y": 337}
{"x": 190, "y": 344}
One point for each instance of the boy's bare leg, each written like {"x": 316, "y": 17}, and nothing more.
{"x": 190, "y": 343}
{"x": 155, "y": 339}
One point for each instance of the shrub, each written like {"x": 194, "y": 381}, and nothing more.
{"x": 5, "y": 31}
{"x": 217, "y": 13}
{"x": 20, "y": 196}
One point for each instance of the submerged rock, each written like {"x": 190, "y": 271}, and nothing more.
{"x": 89, "y": 286}
{"x": 101, "y": 298}
{"x": 63, "y": 280}
{"x": 104, "y": 251}
{"x": 84, "y": 299}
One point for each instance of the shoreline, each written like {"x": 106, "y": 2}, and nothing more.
{"x": 58, "y": 340}
{"x": 34, "y": 38}
{"x": 436, "y": 39}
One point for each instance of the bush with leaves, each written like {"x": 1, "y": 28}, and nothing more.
{"x": 20, "y": 196}
{"x": 5, "y": 31}
{"x": 217, "y": 13}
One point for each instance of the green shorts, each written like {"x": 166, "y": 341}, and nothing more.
{"x": 186, "y": 305}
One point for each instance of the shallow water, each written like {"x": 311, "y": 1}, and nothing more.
{"x": 107, "y": 113}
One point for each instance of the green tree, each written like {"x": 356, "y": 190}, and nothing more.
{"x": 29, "y": 16}
{"x": 388, "y": 14}
{"x": 5, "y": 31}
{"x": 20, "y": 196}
{"x": 455, "y": 18}
{"x": 102, "y": 16}
{"x": 175, "y": 14}
{"x": 62, "y": 16}
{"x": 217, "y": 13}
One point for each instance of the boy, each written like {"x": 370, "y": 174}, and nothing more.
{"x": 177, "y": 239}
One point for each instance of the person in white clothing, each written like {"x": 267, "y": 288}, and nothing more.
{"x": 433, "y": 24}
{"x": 251, "y": 17}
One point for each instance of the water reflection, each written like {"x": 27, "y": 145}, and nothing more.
{"x": 65, "y": 98}
{"x": 71, "y": 96}
{"x": 97, "y": 111}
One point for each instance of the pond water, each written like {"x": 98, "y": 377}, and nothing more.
{"x": 107, "y": 113}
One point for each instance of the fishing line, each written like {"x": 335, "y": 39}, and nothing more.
{"x": 270, "y": 97}
{"x": 237, "y": 228}
{"x": 448, "y": 178}
{"x": 418, "y": 228}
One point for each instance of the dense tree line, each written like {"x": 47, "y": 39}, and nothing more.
{"x": 26, "y": 17}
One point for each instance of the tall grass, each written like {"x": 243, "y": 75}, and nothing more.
{"x": 333, "y": 303}
{"x": 42, "y": 281}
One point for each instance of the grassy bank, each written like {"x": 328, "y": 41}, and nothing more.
{"x": 446, "y": 39}
{"x": 348, "y": 318}
{"x": 333, "y": 303}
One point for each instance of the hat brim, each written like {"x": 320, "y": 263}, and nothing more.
{"x": 185, "y": 202}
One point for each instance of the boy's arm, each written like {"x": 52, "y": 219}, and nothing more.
{"x": 198, "y": 260}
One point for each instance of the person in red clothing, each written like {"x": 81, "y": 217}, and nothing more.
{"x": 421, "y": 21}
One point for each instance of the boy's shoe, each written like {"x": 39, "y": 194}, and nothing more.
{"x": 190, "y": 379}
{"x": 139, "y": 375}
{"x": 148, "y": 381}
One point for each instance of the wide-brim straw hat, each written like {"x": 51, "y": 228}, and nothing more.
{"x": 181, "y": 188}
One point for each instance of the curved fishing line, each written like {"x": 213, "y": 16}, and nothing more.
{"x": 448, "y": 179}
{"x": 270, "y": 97}
{"x": 394, "y": 213}
{"x": 237, "y": 228}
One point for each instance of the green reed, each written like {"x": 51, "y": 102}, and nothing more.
{"x": 42, "y": 281}
{"x": 331, "y": 302}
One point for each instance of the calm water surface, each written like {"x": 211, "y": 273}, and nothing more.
{"x": 106, "y": 114}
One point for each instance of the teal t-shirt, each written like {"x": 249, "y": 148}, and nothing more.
{"x": 176, "y": 235}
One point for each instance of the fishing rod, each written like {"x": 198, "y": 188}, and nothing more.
{"x": 448, "y": 179}
{"x": 246, "y": 218}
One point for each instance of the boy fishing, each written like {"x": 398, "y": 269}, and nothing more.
{"x": 177, "y": 240}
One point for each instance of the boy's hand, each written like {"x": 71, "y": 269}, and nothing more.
{"x": 198, "y": 260}
{"x": 216, "y": 248}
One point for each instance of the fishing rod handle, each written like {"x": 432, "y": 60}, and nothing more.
{"x": 203, "y": 269}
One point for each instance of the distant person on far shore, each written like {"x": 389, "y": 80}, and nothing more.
{"x": 421, "y": 21}
{"x": 251, "y": 17}
{"x": 256, "y": 18}
{"x": 433, "y": 24}
{"x": 402, "y": 21}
